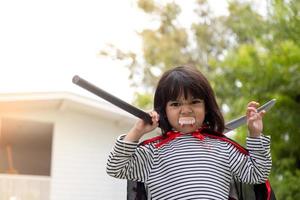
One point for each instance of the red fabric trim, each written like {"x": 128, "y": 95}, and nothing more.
{"x": 200, "y": 134}
{"x": 170, "y": 136}
{"x": 268, "y": 186}
{"x": 152, "y": 140}
{"x": 239, "y": 147}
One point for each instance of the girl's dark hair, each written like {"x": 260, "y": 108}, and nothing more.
{"x": 185, "y": 80}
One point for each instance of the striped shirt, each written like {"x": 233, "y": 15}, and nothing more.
{"x": 189, "y": 168}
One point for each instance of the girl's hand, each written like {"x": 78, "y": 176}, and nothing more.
{"x": 254, "y": 119}
{"x": 140, "y": 128}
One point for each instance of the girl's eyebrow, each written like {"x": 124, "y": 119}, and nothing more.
{"x": 171, "y": 101}
{"x": 192, "y": 99}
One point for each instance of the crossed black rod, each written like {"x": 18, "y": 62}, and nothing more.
{"x": 112, "y": 99}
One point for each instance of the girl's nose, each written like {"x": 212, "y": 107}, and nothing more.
{"x": 185, "y": 108}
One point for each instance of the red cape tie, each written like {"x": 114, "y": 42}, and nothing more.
{"x": 171, "y": 135}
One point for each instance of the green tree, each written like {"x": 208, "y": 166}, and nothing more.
{"x": 263, "y": 65}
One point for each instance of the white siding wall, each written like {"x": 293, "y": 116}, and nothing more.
{"x": 23, "y": 187}
{"x": 80, "y": 150}
{"x": 81, "y": 145}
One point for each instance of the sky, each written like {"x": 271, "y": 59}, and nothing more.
{"x": 44, "y": 43}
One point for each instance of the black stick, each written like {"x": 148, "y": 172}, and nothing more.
{"x": 112, "y": 99}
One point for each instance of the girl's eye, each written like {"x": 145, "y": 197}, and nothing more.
{"x": 175, "y": 104}
{"x": 197, "y": 101}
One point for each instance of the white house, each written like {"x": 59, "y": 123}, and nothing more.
{"x": 54, "y": 146}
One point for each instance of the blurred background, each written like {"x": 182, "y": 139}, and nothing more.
{"x": 248, "y": 49}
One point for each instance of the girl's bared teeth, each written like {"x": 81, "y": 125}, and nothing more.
{"x": 186, "y": 121}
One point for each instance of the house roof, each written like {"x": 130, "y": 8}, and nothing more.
{"x": 62, "y": 101}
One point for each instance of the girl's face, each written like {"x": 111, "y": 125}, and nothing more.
{"x": 186, "y": 115}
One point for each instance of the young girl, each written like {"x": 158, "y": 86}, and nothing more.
{"x": 188, "y": 161}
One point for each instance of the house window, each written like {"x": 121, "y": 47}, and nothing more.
{"x": 25, "y": 147}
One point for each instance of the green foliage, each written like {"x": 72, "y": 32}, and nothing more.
{"x": 287, "y": 185}
{"x": 265, "y": 68}
{"x": 147, "y": 5}
{"x": 285, "y": 20}
{"x": 164, "y": 45}
{"x": 143, "y": 100}
{"x": 246, "y": 25}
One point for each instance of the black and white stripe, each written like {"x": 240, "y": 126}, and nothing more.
{"x": 189, "y": 168}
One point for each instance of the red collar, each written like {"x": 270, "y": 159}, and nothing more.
{"x": 171, "y": 135}
{"x": 200, "y": 134}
